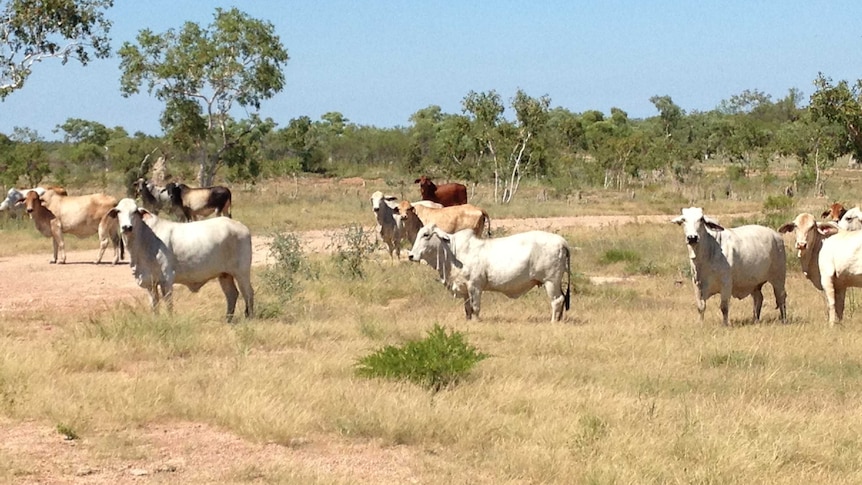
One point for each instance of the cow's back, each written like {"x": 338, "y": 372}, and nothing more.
{"x": 204, "y": 249}
{"x": 756, "y": 255}
{"x": 79, "y": 215}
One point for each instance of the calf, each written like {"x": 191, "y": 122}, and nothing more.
{"x": 834, "y": 213}
{"x": 511, "y": 265}
{"x": 388, "y": 227}
{"x": 446, "y": 194}
{"x": 190, "y": 203}
{"x": 164, "y": 252}
{"x": 733, "y": 262}
{"x": 80, "y": 216}
{"x": 153, "y": 197}
{"x": 829, "y": 258}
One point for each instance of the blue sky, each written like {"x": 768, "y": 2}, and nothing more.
{"x": 378, "y": 62}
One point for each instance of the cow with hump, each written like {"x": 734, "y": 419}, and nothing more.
{"x": 511, "y": 265}
{"x": 830, "y": 258}
{"x": 733, "y": 262}
{"x": 55, "y": 214}
{"x": 164, "y": 253}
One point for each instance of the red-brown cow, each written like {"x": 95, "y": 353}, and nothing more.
{"x": 835, "y": 212}
{"x": 446, "y": 194}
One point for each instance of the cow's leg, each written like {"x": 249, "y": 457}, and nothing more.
{"x": 244, "y": 283}
{"x": 700, "y": 300}
{"x": 558, "y": 300}
{"x": 830, "y": 293}
{"x": 474, "y": 300}
{"x": 153, "y": 292}
{"x": 59, "y": 243}
{"x": 168, "y": 294}
{"x": 228, "y": 287}
{"x": 757, "y": 296}
{"x": 840, "y": 296}
{"x": 780, "y": 300}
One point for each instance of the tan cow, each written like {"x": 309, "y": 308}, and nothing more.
{"x": 448, "y": 219}
{"x": 81, "y": 216}
{"x": 834, "y": 213}
{"x": 829, "y": 258}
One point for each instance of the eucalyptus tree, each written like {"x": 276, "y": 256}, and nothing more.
{"x": 204, "y": 76}
{"x": 33, "y": 31}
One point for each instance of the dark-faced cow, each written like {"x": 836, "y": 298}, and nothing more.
{"x": 153, "y": 197}
{"x": 834, "y": 213}
{"x": 81, "y": 216}
{"x": 444, "y": 194}
{"x": 189, "y": 204}
{"x": 164, "y": 253}
{"x": 511, "y": 265}
{"x": 830, "y": 258}
{"x": 733, "y": 262}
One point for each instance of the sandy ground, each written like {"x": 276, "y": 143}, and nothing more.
{"x": 188, "y": 452}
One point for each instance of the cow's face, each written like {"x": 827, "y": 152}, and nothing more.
{"x": 125, "y": 211}
{"x": 851, "y": 220}
{"x": 807, "y": 230}
{"x": 695, "y": 224}
{"x": 427, "y": 243}
{"x": 835, "y": 212}
{"x": 31, "y": 201}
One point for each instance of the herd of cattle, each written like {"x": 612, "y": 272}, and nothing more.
{"x": 443, "y": 230}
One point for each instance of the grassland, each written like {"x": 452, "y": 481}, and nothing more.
{"x": 630, "y": 388}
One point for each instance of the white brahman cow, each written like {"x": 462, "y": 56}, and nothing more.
{"x": 388, "y": 227}
{"x": 164, "y": 252}
{"x": 81, "y": 216}
{"x": 851, "y": 220}
{"x": 511, "y": 265}
{"x": 830, "y": 258}
{"x": 733, "y": 262}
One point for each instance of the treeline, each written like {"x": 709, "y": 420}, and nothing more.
{"x": 491, "y": 141}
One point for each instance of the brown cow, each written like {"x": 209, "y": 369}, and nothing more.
{"x": 81, "y": 216}
{"x": 446, "y": 194}
{"x": 448, "y": 219}
{"x": 834, "y": 213}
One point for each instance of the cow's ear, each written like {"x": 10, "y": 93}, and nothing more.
{"x": 825, "y": 214}
{"x": 714, "y": 225}
{"x": 678, "y": 220}
{"x": 827, "y": 229}
{"x": 416, "y": 181}
{"x": 113, "y": 213}
{"x": 790, "y": 226}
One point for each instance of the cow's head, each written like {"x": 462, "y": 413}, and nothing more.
{"x": 426, "y": 187}
{"x": 427, "y": 244}
{"x": 807, "y": 231}
{"x": 125, "y": 211}
{"x": 378, "y": 197}
{"x": 851, "y": 220}
{"x": 834, "y": 213}
{"x": 31, "y": 201}
{"x": 404, "y": 210}
{"x": 695, "y": 224}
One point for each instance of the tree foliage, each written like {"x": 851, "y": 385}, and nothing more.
{"x": 203, "y": 75}
{"x": 34, "y": 30}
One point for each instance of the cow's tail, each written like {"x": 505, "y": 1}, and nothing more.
{"x": 487, "y": 223}
{"x": 568, "y": 295}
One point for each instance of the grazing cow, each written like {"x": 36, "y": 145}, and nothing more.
{"x": 448, "y": 219}
{"x": 80, "y": 216}
{"x": 830, "y": 259}
{"x": 510, "y": 265}
{"x": 164, "y": 253}
{"x": 446, "y": 194}
{"x": 733, "y": 262}
{"x": 190, "y": 203}
{"x": 154, "y": 197}
{"x": 834, "y": 213}
{"x": 851, "y": 220}
{"x": 388, "y": 227}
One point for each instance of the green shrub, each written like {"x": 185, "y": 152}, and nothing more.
{"x": 436, "y": 362}
{"x": 777, "y": 203}
{"x": 616, "y": 255}
{"x": 351, "y": 248}
{"x": 282, "y": 276}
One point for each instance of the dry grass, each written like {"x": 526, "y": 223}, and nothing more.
{"x": 629, "y": 389}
